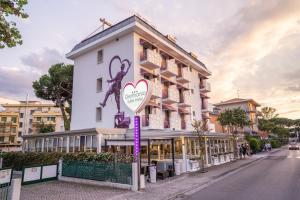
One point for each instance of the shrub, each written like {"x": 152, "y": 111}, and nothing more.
{"x": 254, "y": 145}
{"x": 18, "y": 160}
{"x": 275, "y": 143}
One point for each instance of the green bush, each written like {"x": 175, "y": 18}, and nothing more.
{"x": 18, "y": 160}
{"x": 254, "y": 145}
{"x": 275, "y": 143}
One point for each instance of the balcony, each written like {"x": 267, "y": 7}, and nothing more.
{"x": 205, "y": 115}
{"x": 205, "y": 87}
{"x": 183, "y": 75}
{"x": 184, "y": 100}
{"x": 151, "y": 121}
{"x": 168, "y": 68}
{"x": 156, "y": 90}
{"x": 150, "y": 59}
{"x": 170, "y": 94}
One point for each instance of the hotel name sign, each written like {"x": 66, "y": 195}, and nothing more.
{"x": 136, "y": 96}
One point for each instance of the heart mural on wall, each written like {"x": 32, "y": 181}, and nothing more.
{"x": 136, "y": 96}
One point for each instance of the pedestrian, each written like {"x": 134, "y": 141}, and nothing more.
{"x": 241, "y": 151}
{"x": 247, "y": 150}
{"x": 244, "y": 150}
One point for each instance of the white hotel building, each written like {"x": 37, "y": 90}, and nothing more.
{"x": 180, "y": 95}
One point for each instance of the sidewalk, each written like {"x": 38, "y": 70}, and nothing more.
{"x": 176, "y": 186}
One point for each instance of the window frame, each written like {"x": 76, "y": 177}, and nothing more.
{"x": 100, "y": 52}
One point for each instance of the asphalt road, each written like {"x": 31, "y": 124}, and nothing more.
{"x": 275, "y": 178}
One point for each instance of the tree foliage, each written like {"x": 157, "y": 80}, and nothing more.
{"x": 233, "y": 119}
{"x": 268, "y": 113}
{"x": 201, "y": 127}
{"x": 9, "y": 34}
{"x": 46, "y": 128}
{"x": 57, "y": 86}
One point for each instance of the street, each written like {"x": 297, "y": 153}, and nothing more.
{"x": 277, "y": 177}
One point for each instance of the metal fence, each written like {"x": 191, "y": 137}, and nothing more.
{"x": 109, "y": 172}
{"x": 4, "y": 191}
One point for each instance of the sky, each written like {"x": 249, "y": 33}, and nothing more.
{"x": 249, "y": 46}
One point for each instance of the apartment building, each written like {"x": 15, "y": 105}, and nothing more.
{"x": 127, "y": 52}
{"x": 9, "y": 125}
{"x": 24, "y": 118}
{"x": 248, "y": 105}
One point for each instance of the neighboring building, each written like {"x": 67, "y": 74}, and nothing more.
{"x": 248, "y": 105}
{"x": 9, "y": 126}
{"x": 24, "y": 118}
{"x": 126, "y": 52}
{"x": 214, "y": 124}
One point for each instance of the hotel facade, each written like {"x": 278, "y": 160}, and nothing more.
{"x": 127, "y": 52}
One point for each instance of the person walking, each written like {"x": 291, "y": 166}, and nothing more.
{"x": 244, "y": 150}
{"x": 241, "y": 151}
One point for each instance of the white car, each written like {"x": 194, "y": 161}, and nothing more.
{"x": 294, "y": 146}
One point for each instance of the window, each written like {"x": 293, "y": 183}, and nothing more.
{"x": 99, "y": 85}
{"x": 98, "y": 114}
{"x": 192, "y": 90}
{"x": 71, "y": 144}
{"x": 13, "y": 130}
{"x": 100, "y": 56}
{"x": 52, "y": 119}
{"x": 3, "y": 119}
{"x": 191, "y": 69}
{"x": 21, "y": 124}
{"x": 38, "y": 119}
{"x": 14, "y": 119}
{"x": 94, "y": 143}
{"x": 21, "y": 115}
{"x": 31, "y": 112}
{"x": 194, "y": 113}
{"x": 19, "y": 133}
{"x": 30, "y": 121}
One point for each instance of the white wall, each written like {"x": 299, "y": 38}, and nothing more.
{"x": 85, "y": 97}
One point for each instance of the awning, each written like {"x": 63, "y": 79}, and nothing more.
{"x": 165, "y": 79}
{"x": 182, "y": 86}
{"x": 168, "y": 107}
{"x": 153, "y": 104}
{"x": 183, "y": 111}
{"x": 149, "y": 73}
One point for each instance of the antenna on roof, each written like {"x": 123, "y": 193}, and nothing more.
{"x": 102, "y": 27}
{"x": 104, "y": 22}
{"x": 238, "y": 93}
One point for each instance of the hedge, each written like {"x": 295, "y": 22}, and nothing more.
{"x": 18, "y": 160}
{"x": 254, "y": 145}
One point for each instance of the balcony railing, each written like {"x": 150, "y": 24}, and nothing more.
{"x": 150, "y": 59}
{"x": 156, "y": 90}
{"x": 183, "y": 75}
{"x": 170, "y": 94}
{"x": 205, "y": 87}
{"x": 168, "y": 68}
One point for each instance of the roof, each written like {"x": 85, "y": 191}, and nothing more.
{"x": 237, "y": 101}
{"x": 126, "y": 22}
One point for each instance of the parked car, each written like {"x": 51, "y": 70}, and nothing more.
{"x": 294, "y": 146}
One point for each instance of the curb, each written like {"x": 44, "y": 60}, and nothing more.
{"x": 218, "y": 177}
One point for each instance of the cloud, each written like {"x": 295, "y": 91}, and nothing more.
{"x": 43, "y": 60}
{"x": 15, "y": 82}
